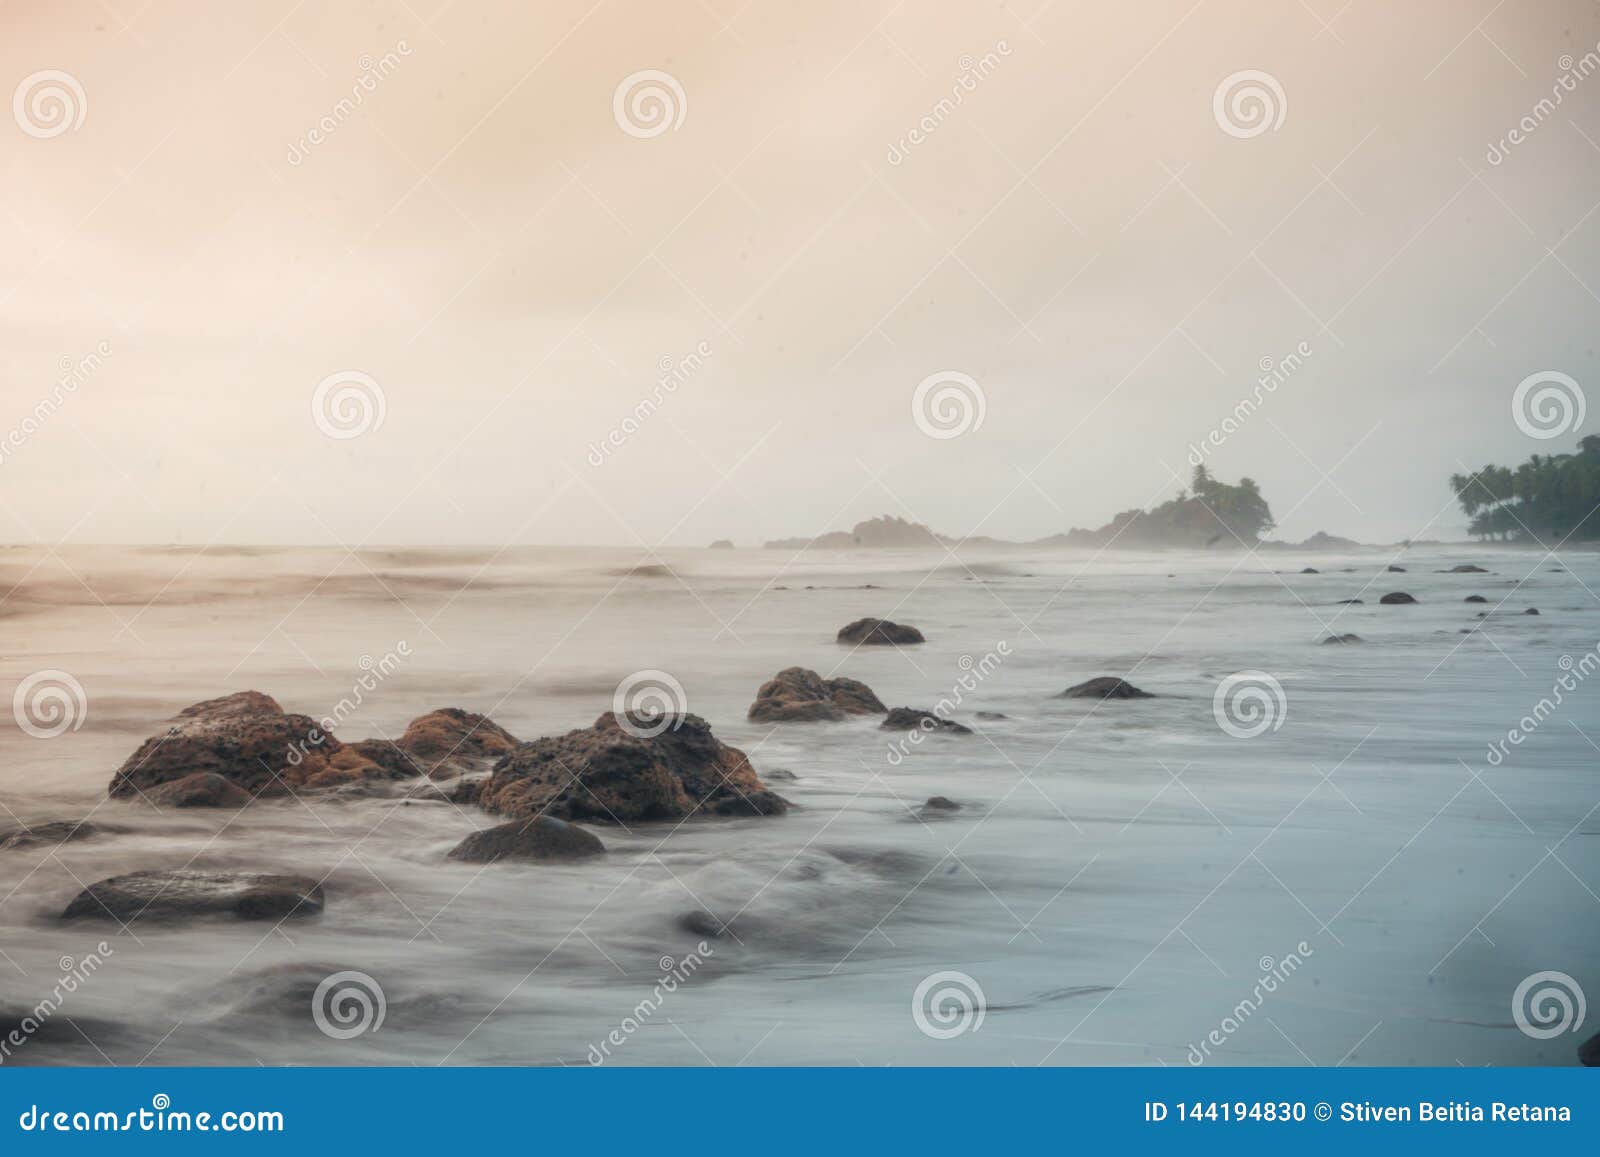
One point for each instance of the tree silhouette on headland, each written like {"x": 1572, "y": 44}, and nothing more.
{"x": 1549, "y": 497}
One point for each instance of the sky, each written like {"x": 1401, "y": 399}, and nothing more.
{"x": 420, "y": 272}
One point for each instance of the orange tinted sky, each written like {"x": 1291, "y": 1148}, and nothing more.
{"x": 483, "y": 238}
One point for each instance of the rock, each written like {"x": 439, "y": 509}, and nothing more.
{"x": 466, "y": 791}
{"x": 797, "y": 695}
{"x": 1531, "y": 611}
{"x": 1105, "y": 687}
{"x": 53, "y": 832}
{"x": 1396, "y": 598}
{"x": 449, "y": 741}
{"x": 878, "y": 632}
{"x": 990, "y": 715}
{"x": 1396, "y": 570}
{"x": 722, "y": 544}
{"x": 394, "y": 760}
{"x": 202, "y": 789}
{"x": 1348, "y": 638}
{"x": 1589, "y": 1052}
{"x": 782, "y": 775}
{"x": 939, "y": 803}
{"x": 186, "y": 892}
{"x": 538, "y": 838}
{"x": 1349, "y": 603}
{"x": 1474, "y": 599}
{"x": 702, "y": 923}
{"x": 1465, "y": 568}
{"x": 248, "y": 740}
{"x": 609, "y": 774}
{"x": 1310, "y": 570}
{"x": 913, "y": 718}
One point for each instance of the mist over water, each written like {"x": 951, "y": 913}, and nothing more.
{"x": 1119, "y": 877}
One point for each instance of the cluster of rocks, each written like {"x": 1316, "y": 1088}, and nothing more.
{"x": 230, "y": 751}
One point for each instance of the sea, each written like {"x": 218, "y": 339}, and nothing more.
{"x": 1376, "y": 852}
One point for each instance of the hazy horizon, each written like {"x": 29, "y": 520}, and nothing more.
{"x": 496, "y": 243}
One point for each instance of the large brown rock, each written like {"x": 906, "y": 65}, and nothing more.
{"x": 188, "y": 892}
{"x": 796, "y": 695}
{"x": 450, "y": 741}
{"x": 609, "y": 774}
{"x": 878, "y": 632}
{"x": 248, "y": 741}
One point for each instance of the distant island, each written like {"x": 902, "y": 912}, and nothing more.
{"x": 1206, "y": 514}
{"x": 1549, "y": 498}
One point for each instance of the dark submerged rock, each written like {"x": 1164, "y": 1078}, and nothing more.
{"x": 1396, "y": 598}
{"x": 879, "y": 632}
{"x": 1309, "y": 570}
{"x": 1474, "y": 599}
{"x": 53, "y": 832}
{"x": 1589, "y": 1052}
{"x": 1105, "y": 687}
{"x": 782, "y": 775}
{"x": 1465, "y": 568}
{"x": 913, "y": 718}
{"x": 940, "y": 803}
{"x": 798, "y": 695}
{"x": 1347, "y": 638}
{"x": 702, "y": 923}
{"x": 610, "y": 774}
{"x": 537, "y": 838}
{"x": 189, "y": 892}
{"x": 1349, "y": 603}
{"x": 990, "y": 715}
{"x": 203, "y": 789}
{"x": 1396, "y": 570}
{"x": 1531, "y": 611}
